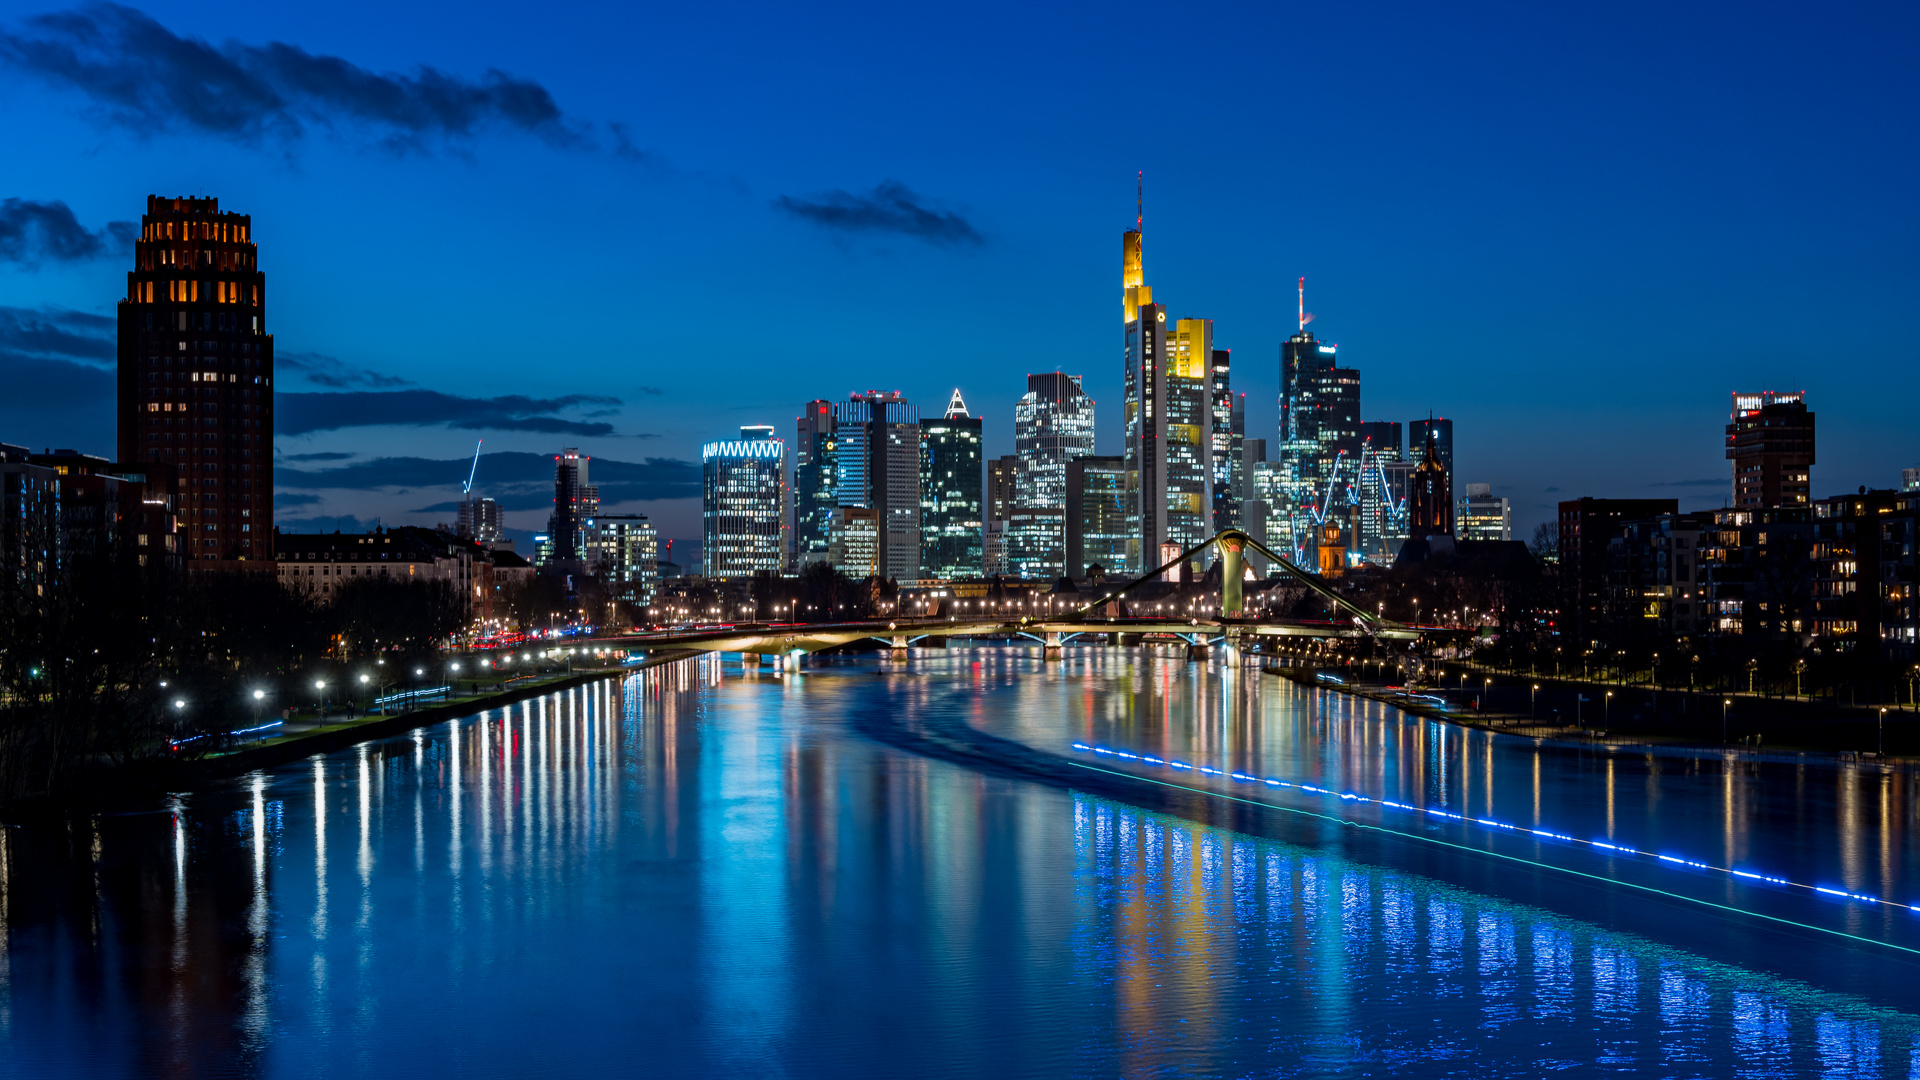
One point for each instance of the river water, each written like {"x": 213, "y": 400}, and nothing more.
{"x": 947, "y": 868}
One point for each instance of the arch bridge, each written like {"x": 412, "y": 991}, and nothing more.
{"x": 1232, "y": 626}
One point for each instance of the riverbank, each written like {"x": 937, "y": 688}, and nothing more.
{"x": 142, "y": 781}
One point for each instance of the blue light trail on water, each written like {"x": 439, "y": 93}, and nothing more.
{"x": 1501, "y": 826}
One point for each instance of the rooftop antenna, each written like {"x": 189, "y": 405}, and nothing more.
{"x": 467, "y": 488}
{"x": 1303, "y": 305}
{"x": 1139, "y": 200}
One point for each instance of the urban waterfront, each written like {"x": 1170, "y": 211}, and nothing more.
{"x": 701, "y": 871}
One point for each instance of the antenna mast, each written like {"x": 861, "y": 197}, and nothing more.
{"x": 1303, "y": 305}
{"x": 1139, "y": 200}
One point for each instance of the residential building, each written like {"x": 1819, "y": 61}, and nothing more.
{"x": 952, "y": 506}
{"x": 1755, "y": 577}
{"x": 1587, "y": 528}
{"x": 1770, "y": 442}
{"x": 1096, "y": 516}
{"x": 195, "y": 382}
{"x": 816, "y": 488}
{"x": 623, "y": 551}
{"x": 744, "y": 504}
{"x": 1910, "y": 479}
{"x": 1864, "y": 551}
{"x": 878, "y": 450}
{"x": 320, "y": 565}
{"x": 1484, "y": 515}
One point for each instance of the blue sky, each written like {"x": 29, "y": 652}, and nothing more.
{"x": 1573, "y": 229}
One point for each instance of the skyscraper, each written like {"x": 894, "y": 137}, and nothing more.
{"x": 1002, "y": 472}
{"x": 575, "y": 502}
{"x": 1052, "y": 425}
{"x": 952, "y": 509}
{"x": 1096, "y": 515}
{"x": 1382, "y": 489}
{"x": 743, "y": 503}
{"x": 1770, "y": 442}
{"x": 1169, "y": 454}
{"x": 877, "y": 445}
{"x": 816, "y": 466}
{"x": 1319, "y": 437}
{"x": 195, "y": 383}
{"x": 623, "y": 550}
{"x": 1228, "y": 427}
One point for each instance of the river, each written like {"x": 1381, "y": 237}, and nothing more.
{"x": 702, "y": 871}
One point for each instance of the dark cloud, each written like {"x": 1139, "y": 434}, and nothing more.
{"x": 892, "y": 207}
{"x": 298, "y": 414}
{"x": 35, "y": 232}
{"x": 323, "y": 370}
{"x": 517, "y": 480}
{"x": 320, "y": 455}
{"x": 1708, "y": 481}
{"x": 60, "y": 333}
{"x": 286, "y": 500}
{"x": 344, "y": 523}
{"x": 146, "y": 78}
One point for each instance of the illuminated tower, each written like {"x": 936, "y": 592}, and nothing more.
{"x": 952, "y": 509}
{"x": 1052, "y": 425}
{"x": 1167, "y": 417}
{"x": 196, "y": 373}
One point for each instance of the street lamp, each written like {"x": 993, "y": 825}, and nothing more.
{"x": 1607, "y": 716}
{"x": 1725, "y": 703}
{"x": 1533, "y": 700}
{"x": 1880, "y": 739}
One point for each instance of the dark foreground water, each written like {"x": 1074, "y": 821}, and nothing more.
{"x": 705, "y": 874}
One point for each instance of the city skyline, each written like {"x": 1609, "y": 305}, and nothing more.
{"x": 1479, "y": 298}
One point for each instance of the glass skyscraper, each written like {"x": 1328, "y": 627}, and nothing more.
{"x": 1167, "y": 418}
{"x": 1052, "y": 425}
{"x": 743, "y": 504}
{"x": 952, "y": 505}
{"x": 816, "y": 464}
{"x": 877, "y": 452}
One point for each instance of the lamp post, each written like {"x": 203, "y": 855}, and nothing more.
{"x": 1725, "y": 704}
{"x": 364, "y": 680}
{"x": 1533, "y": 701}
{"x": 1880, "y": 733}
{"x": 319, "y": 693}
{"x": 1607, "y": 716}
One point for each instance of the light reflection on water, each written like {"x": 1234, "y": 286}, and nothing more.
{"x": 696, "y": 874}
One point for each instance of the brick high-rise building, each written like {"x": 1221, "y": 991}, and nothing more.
{"x": 1770, "y": 442}
{"x": 196, "y": 373}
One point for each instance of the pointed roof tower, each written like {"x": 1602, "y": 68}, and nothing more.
{"x": 956, "y": 406}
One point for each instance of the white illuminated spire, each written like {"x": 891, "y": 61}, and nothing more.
{"x": 956, "y": 408}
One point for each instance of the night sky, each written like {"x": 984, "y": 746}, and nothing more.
{"x": 1573, "y": 229}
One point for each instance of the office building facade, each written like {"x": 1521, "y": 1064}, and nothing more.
{"x": 1320, "y": 442}
{"x": 1002, "y": 485}
{"x": 952, "y": 502}
{"x": 1052, "y": 425}
{"x": 743, "y": 504}
{"x": 1096, "y": 516}
{"x": 195, "y": 373}
{"x": 1482, "y": 515}
{"x": 816, "y": 464}
{"x": 1168, "y": 416}
{"x": 877, "y": 438}
{"x": 575, "y": 502}
{"x": 1226, "y": 430}
{"x": 1770, "y": 443}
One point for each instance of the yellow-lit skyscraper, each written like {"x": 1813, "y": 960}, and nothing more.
{"x": 1169, "y": 459}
